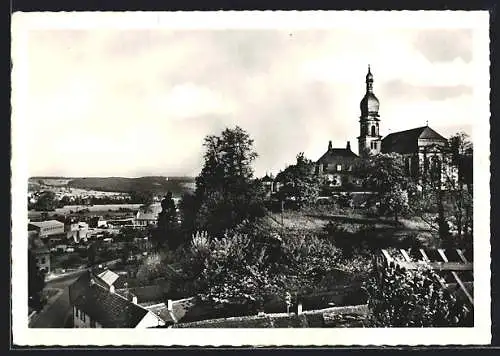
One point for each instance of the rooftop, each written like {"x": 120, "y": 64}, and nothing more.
{"x": 108, "y": 309}
{"x": 407, "y": 141}
{"x": 47, "y": 223}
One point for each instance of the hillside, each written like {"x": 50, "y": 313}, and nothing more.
{"x": 158, "y": 184}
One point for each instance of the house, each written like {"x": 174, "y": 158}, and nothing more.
{"x": 148, "y": 215}
{"x": 96, "y": 305}
{"x": 40, "y": 251}
{"x": 52, "y": 229}
{"x": 269, "y": 185}
{"x": 336, "y": 166}
{"x": 78, "y": 231}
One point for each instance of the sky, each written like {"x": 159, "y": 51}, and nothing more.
{"x": 137, "y": 102}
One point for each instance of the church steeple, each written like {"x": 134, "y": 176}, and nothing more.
{"x": 369, "y": 140}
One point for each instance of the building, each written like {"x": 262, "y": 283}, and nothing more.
{"x": 369, "y": 139}
{"x": 421, "y": 147}
{"x": 148, "y": 215}
{"x": 96, "y": 305}
{"x": 40, "y": 251}
{"x": 336, "y": 166}
{"x": 47, "y": 229}
{"x": 78, "y": 231}
{"x": 269, "y": 185}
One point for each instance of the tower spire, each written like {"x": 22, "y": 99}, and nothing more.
{"x": 369, "y": 80}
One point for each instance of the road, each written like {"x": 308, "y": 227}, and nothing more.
{"x": 56, "y": 314}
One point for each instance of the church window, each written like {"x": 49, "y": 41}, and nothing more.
{"x": 374, "y": 132}
{"x": 339, "y": 167}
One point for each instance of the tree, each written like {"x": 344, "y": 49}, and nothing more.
{"x": 152, "y": 268}
{"x": 226, "y": 192}
{"x": 141, "y": 197}
{"x": 306, "y": 260}
{"x": 415, "y": 298}
{"x": 299, "y": 183}
{"x": 46, "y": 201}
{"x": 36, "y": 283}
{"x": 166, "y": 231}
{"x": 461, "y": 154}
{"x": 234, "y": 272}
{"x": 385, "y": 174}
{"x": 447, "y": 192}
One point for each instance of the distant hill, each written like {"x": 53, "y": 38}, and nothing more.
{"x": 156, "y": 184}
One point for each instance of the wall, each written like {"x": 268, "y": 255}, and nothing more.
{"x": 150, "y": 321}
{"x": 80, "y": 319}
{"x": 52, "y": 230}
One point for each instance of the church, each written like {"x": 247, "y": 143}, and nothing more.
{"x": 419, "y": 146}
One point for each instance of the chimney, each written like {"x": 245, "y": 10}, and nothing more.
{"x": 299, "y": 308}
{"x": 170, "y": 305}
{"x": 111, "y": 288}
{"x": 330, "y": 146}
{"x": 348, "y": 145}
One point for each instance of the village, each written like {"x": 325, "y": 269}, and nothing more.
{"x": 309, "y": 246}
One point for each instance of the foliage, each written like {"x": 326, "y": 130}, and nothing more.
{"x": 129, "y": 234}
{"x": 414, "y": 298}
{"x": 299, "y": 183}
{"x": 447, "y": 193}
{"x": 46, "y": 202}
{"x": 306, "y": 260}
{"x": 462, "y": 151}
{"x": 234, "y": 272}
{"x": 152, "y": 267}
{"x": 141, "y": 197}
{"x": 226, "y": 192}
{"x": 386, "y": 175}
{"x": 36, "y": 283}
{"x": 167, "y": 231}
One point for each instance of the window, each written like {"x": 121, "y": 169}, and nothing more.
{"x": 339, "y": 167}
{"x": 76, "y": 312}
{"x": 374, "y": 132}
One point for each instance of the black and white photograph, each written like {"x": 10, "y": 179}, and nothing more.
{"x": 322, "y": 175}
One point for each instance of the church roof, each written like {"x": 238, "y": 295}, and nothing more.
{"x": 407, "y": 141}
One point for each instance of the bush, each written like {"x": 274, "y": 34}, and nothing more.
{"x": 399, "y": 298}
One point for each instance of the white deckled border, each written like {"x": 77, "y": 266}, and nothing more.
{"x": 22, "y": 23}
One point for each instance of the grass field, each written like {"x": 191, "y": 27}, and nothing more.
{"x": 383, "y": 228}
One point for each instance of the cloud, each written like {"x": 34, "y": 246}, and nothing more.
{"x": 400, "y": 89}
{"x": 445, "y": 45}
{"x": 143, "y": 100}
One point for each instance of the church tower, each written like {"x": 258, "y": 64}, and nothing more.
{"x": 369, "y": 140}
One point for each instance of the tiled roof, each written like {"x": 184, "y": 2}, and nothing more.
{"x": 335, "y": 155}
{"x": 407, "y": 141}
{"x": 179, "y": 310}
{"x": 108, "y": 309}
